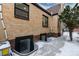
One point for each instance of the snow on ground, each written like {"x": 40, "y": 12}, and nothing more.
{"x": 69, "y": 49}
{"x": 4, "y": 44}
{"x": 58, "y": 46}
{"x": 49, "y": 48}
{"x": 75, "y": 35}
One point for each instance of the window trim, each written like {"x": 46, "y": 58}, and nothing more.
{"x": 20, "y": 16}
{"x": 46, "y": 26}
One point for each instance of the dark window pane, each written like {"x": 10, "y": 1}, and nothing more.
{"x": 45, "y": 21}
{"x": 22, "y": 6}
{"x": 43, "y": 37}
{"x": 21, "y": 11}
{"x": 25, "y": 45}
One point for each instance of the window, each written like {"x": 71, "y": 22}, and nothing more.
{"x": 43, "y": 37}
{"x": 45, "y": 21}
{"x": 24, "y": 44}
{"x": 22, "y": 11}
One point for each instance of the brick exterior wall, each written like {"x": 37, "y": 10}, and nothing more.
{"x": 36, "y": 38}
{"x": 17, "y": 27}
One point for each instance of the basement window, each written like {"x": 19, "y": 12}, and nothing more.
{"x": 24, "y": 44}
{"x": 45, "y": 21}
{"x": 21, "y": 11}
{"x": 43, "y": 37}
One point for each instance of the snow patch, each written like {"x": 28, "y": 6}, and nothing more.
{"x": 40, "y": 44}
{"x": 4, "y": 45}
{"x": 69, "y": 49}
{"x": 75, "y": 35}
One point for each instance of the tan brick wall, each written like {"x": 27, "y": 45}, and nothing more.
{"x": 55, "y": 24}
{"x": 18, "y": 27}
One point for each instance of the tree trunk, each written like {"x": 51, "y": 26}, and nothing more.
{"x": 70, "y": 33}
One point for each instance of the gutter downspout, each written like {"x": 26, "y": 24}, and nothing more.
{"x": 3, "y": 24}
{"x": 5, "y": 43}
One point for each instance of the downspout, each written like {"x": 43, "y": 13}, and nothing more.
{"x": 4, "y": 29}
{"x": 4, "y": 44}
{"x": 3, "y": 24}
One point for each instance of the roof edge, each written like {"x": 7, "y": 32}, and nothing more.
{"x": 54, "y": 14}
{"x": 41, "y": 8}
{"x": 44, "y": 9}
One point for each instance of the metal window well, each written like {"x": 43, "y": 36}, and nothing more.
{"x": 26, "y": 54}
{"x": 24, "y": 46}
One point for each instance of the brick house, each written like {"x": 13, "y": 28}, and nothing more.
{"x": 29, "y": 21}
{"x": 57, "y": 9}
